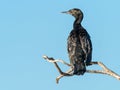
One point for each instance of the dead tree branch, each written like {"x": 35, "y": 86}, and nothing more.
{"x": 105, "y": 70}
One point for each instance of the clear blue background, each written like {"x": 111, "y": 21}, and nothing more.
{"x": 32, "y": 28}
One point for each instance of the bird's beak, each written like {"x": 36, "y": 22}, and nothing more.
{"x": 67, "y": 12}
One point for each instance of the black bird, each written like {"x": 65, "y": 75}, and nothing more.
{"x": 79, "y": 44}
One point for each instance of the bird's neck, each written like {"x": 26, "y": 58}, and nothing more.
{"x": 77, "y": 23}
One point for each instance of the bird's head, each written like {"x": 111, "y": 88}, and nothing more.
{"x": 74, "y": 12}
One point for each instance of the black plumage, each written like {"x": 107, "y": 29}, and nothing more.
{"x": 79, "y": 44}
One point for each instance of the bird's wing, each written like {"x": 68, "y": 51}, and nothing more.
{"x": 74, "y": 48}
{"x": 71, "y": 47}
{"x": 76, "y": 53}
{"x": 86, "y": 46}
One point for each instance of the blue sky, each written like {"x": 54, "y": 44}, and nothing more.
{"x": 32, "y": 28}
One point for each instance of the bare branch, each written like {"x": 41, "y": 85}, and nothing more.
{"x": 55, "y": 60}
{"x": 62, "y": 74}
{"x": 105, "y": 70}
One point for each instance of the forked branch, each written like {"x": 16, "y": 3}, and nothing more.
{"x": 105, "y": 70}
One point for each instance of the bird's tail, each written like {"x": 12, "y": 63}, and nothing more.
{"x": 79, "y": 68}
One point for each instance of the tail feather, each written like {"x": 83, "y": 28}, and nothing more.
{"x": 79, "y": 68}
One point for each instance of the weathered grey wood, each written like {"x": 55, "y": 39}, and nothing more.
{"x": 105, "y": 70}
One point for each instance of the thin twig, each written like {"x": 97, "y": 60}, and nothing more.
{"x": 55, "y": 60}
{"x": 60, "y": 76}
{"x": 52, "y": 60}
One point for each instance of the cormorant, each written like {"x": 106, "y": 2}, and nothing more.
{"x": 79, "y": 44}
